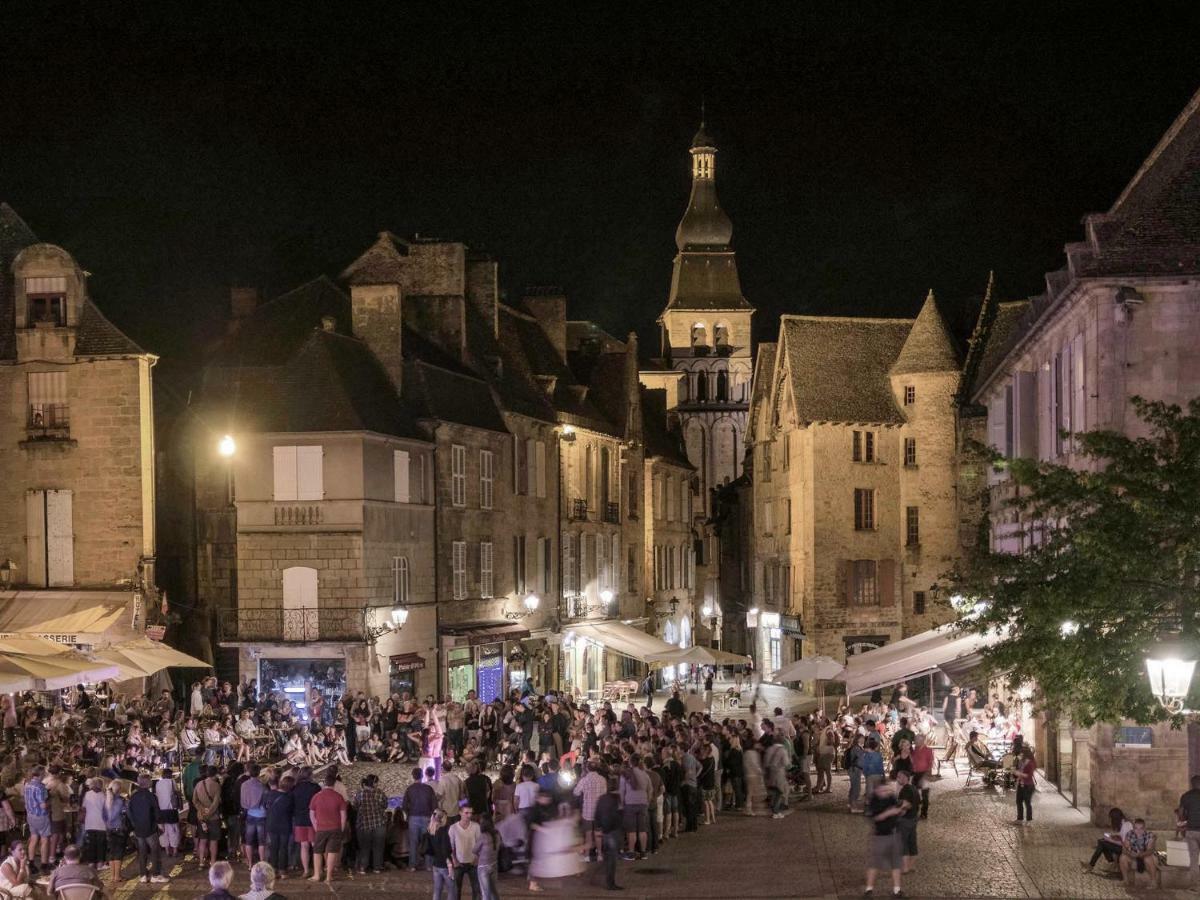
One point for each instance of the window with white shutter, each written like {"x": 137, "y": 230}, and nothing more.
{"x": 298, "y": 472}
{"x": 50, "y": 538}
{"x": 615, "y": 557}
{"x": 543, "y": 564}
{"x": 685, "y": 499}
{"x": 400, "y": 470}
{"x": 671, "y": 499}
{"x": 519, "y": 581}
{"x": 568, "y": 564}
{"x": 602, "y": 561}
{"x": 485, "y": 570}
{"x": 656, "y": 492}
{"x": 301, "y": 616}
{"x": 1078, "y": 391}
{"x": 530, "y": 466}
{"x": 486, "y": 478}
{"x": 519, "y": 482}
{"x": 584, "y": 572}
{"x": 458, "y": 475}
{"x": 459, "y": 568}
{"x": 540, "y": 465}
{"x": 768, "y": 517}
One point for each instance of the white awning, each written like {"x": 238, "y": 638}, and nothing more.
{"x": 918, "y": 655}
{"x": 67, "y": 617}
{"x": 142, "y": 656}
{"x": 699, "y": 656}
{"x": 620, "y": 638}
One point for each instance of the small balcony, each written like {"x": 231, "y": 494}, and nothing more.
{"x": 304, "y": 514}
{"x": 576, "y": 606}
{"x": 612, "y": 513}
{"x": 49, "y": 420}
{"x": 579, "y": 509}
{"x": 300, "y": 625}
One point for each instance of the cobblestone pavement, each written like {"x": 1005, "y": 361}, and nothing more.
{"x": 968, "y": 849}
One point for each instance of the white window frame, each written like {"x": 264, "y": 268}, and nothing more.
{"x": 458, "y": 475}
{"x": 400, "y": 580}
{"x": 458, "y": 558}
{"x": 487, "y": 478}
{"x": 299, "y": 472}
{"x": 486, "y": 570}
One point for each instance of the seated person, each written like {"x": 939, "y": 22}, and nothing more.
{"x": 71, "y": 871}
{"x": 371, "y": 749}
{"x": 979, "y": 753}
{"x": 245, "y": 727}
{"x": 1137, "y": 853}
{"x": 1112, "y": 843}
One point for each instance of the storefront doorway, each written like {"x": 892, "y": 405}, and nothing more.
{"x": 489, "y": 672}
{"x": 403, "y": 673}
{"x": 296, "y": 679}
{"x": 461, "y": 673}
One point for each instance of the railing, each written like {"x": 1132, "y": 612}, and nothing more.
{"x": 297, "y": 515}
{"x": 49, "y": 418}
{"x": 579, "y": 508}
{"x": 303, "y": 624}
{"x": 612, "y": 513}
{"x": 576, "y": 606}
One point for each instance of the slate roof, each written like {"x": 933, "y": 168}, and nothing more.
{"x": 661, "y": 436}
{"x": 1001, "y": 337}
{"x": 436, "y": 393}
{"x": 839, "y": 367}
{"x": 15, "y": 236}
{"x": 929, "y": 346}
{"x": 276, "y": 329}
{"x": 382, "y": 263}
{"x": 96, "y": 336}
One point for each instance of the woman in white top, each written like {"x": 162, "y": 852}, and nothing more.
{"x": 197, "y": 699}
{"x": 95, "y": 824}
{"x": 14, "y": 872}
{"x": 294, "y": 750}
{"x": 340, "y": 750}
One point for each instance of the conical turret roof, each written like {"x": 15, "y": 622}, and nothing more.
{"x": 929, "y": 346}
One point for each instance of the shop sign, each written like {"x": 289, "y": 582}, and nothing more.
{"x": 156, "y": 632}
{"x": 1135, "y": 737}
{"x": 768, "y": 619}
{"x": 407, "y": 662}
{"x": 71, "y": 639}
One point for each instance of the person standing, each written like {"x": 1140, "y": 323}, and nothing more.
{"x": 143, "y": 816}
{"x": 327, "y": 810}
{"x": 168, "y": 813}
{"x": 37, "y": 816}
{"x": 775, "y": 761}
{"x": 590, "y": 788}
{"x": 302, "y": 826}
{"x": 115, "y": 824}
{"x": 852, "y": 763}
{"x": 922, "y": 770}
{"x": 906, "y": 822}
{"x": 464, "y": 838}
{"x": 95, "y": 829}
{"x": 254, "y": 832}
{"x": 635, "y": 799}
{"x": 689, "y": 792}
{"x": 206, "y": 798}
{"x": 280, "y": 806}
{"x": 435, "y": 846}
{"x": 486, "y": 857}
{"x": 872, "y": 765}
{"x": 1189, "y": 822}
{"x": 420, "y": 801}
{"x": 609, "y": 823}
{"x": 478, "y": 788}
{"x": 648, "y": 689}
{"x": 884, "y": 849}
{"x": 370, "y": 825}
{"x": 827, "y": 743}
{"x": 1026, "y": 770}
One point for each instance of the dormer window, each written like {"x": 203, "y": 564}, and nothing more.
{"x": 47, "y": 301}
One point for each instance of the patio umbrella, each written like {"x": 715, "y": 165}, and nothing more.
{"x": 149, "y": 656}
{"x": 699, "y": 656}
{"x": 812, "y": 668}
{"x": 22, "y": 672}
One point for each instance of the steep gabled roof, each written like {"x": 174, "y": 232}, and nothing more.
{"x": 839, "y": 367}
{"x": 437, "y": 393}
{"x": 15, "y": 235}
{"x": 273, "y": 333}
{"x": 382, "y": 263}
{"x": 96, "y": 336}
{"x": 929, "y": 346}
{"x": 1004, "y": 332}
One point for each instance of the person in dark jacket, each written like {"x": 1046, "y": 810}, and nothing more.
{"x": 143, "y": 816}
{"x": 435, "y": 846}
{"x": 302, "y": 827}
{"x": 280, "y": 807}
{"x": 231, "y": 806}
{"x": 609, "y": 822}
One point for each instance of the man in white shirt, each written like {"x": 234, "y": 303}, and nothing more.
{"x": 783, "y": 725}
{"x": 449, "y": 790}
{"x": 464, "y": 836}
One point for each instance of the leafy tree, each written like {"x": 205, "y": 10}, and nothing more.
{"x": 1115, "y": 564}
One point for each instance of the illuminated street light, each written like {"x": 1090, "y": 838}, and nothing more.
{"x": 1170, "y": 668}
{"x": 531, "y": 602}
{"x": 399, "y": 616}
{"x": 606, "y": 596}
{"x": 1069, "y": 628}
{"x": 227, "y": 446}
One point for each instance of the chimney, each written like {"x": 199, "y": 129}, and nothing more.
{"x": 549, "y": 306}
{"x": 435, "y": 299}
{"x": 375, "y": 301}
{"x": 483, "y": 291}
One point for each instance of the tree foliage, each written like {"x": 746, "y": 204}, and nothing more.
{"x": 1116, "y": 551}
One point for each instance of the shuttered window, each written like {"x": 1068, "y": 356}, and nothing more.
{"x": 865, "y": 582}
{"x": 400, "y": 471}
{"x": 568, "y": 564}
{"x": 458, "y": 475}
{"x": 486, "y": 579}
{"x": 615, "y": 564}
{"x": 486, "y": 479}
{"x": 50, "y": 538}
{"x": 299, "y": 473}
{"x": 602, "y": 561}
{"x": 459, "y": 569}
{"x": 539, "y": 457}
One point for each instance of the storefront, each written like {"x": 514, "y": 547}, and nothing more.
{"x": 594, "y": 653}
{"x": 299, "y": 679}
{"x": 404, "y": 674}
{"x": 477, "y": 659}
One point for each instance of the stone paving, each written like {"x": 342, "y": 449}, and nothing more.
{"x": 968, "y": 849}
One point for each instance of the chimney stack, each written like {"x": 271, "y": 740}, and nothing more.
{"x": 549, "y": 306}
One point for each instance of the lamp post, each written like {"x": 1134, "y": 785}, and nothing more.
{"x": 531, "y": 603}
{"x": 373, "y": 630}
{"x": 1169, "y": 667}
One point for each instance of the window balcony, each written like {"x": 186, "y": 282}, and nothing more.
{"x": 579, "y": 509}
{"x": 300, "y": 625}
{"x": 305, "y": 514}
{"x": 612, "y": 513}
{"x": 49, "y": 420}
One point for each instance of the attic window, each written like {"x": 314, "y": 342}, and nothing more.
{"x": 910, "y": 394}
{"x": 47, "y": 301}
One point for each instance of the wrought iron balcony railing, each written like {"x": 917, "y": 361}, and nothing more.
{"x": 612, "y": 513}
{"x": 579, "y": 508}
{"x": 316, "y": 623}
{"x": 49, "y": 418}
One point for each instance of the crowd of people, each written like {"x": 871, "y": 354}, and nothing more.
{"x": 536, "y": 784}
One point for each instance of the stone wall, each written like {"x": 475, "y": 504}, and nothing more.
{"x": 1143, "y": 783}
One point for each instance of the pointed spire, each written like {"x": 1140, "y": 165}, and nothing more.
{"x": 928, "y": 347}
{"x": 702, "y": 138}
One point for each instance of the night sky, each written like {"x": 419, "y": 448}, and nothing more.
{"x": 868, "y": 153}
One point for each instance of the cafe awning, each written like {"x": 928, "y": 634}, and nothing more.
{"x": 912, "y": 657}
{"x": 620, "y": 638}
{"x": 697, "y": 656}
{"x": 67, "y": 617}
{"x": 141, "y": 657}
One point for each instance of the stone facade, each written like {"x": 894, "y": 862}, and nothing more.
{"x": 76, "y": 415}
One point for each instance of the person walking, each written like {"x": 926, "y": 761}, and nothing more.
{"x": 872, "y": 765}
{"x": 775, "y": 763}
{"x": 1188, "y": 816}
{"x": 648, "y": 690}
{"x": 1026, "y": 769}
{"x": 922, "y": 771}
{"x": 486, "y": 857}
{"x": 370, "y": 825}
{"x": 906, "y": 823}
{"x": 852, "y": 763}
{"x": 435, "y": 847}
{"x": 884, "y": 809}
{"x": 464, "y": 838}
{"x": 420, "y": 802}
{"x": 826, "y": 751}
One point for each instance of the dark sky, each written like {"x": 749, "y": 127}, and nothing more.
{"x": 868, "y": 152}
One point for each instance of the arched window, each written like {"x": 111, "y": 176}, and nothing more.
{"x": 722, "y": 386}
{"x": 699, "y": 336}
{"x": 301, "y": 619}
{"x": 399, "y": 580}
{"x": 720, "y": 336}
{"x": 702, "y": 387}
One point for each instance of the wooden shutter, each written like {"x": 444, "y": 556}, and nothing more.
{"x": 547, "y": 564}
{"x": 400, "y": 471}
{"x": 996, "y": 424}
{"x": 845, "y": 581}
{"x": 309, "y": 473}
{"x": 35, "y": 537}
{"x": 518, "y": 465}
{"x": 485, "y": 569}
{"x": 285, "y": 473}
{"x": 60, "y": 537}
{"x": 887, "y": 582}
{"x": 615, "y": 577}
{"x": 540, "y": 465}
{"x": 568, "y": 563}
{"x": 1025, "y": 441}
{"x": 530, "y": 465}
{"x": 1078, "y": 385}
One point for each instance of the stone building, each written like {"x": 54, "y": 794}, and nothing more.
{"x": 854, "y": 434}
{"x": 77, "y": 545}
{"x": 1121, "y": 319}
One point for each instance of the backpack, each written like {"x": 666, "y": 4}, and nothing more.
{"x": 504, "y": 858}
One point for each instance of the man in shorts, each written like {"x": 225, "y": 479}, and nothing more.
{"x": 60, "y": 798}
{"x": 37, "y": 815}
{"x": 884, "y": 852}
{"x": 328, "y": 812}
{"x": 206, "y": 798}
{"x": 302, "y": 828}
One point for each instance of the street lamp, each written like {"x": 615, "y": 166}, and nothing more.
{"x": 372, "y": 631}
{"x": 399, "y": 616}
{"x": 1169, "y": 667}
{"x": 227, "y": 446}
{"x": 531, "y": 603}
{"x": 606, "y": 596}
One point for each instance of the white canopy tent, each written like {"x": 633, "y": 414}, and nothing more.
{"x": 810, "y": 668}
{"x": 912, "y": 657}
{"x": 620, "y": 638}
{"x": 697, "y": 656}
